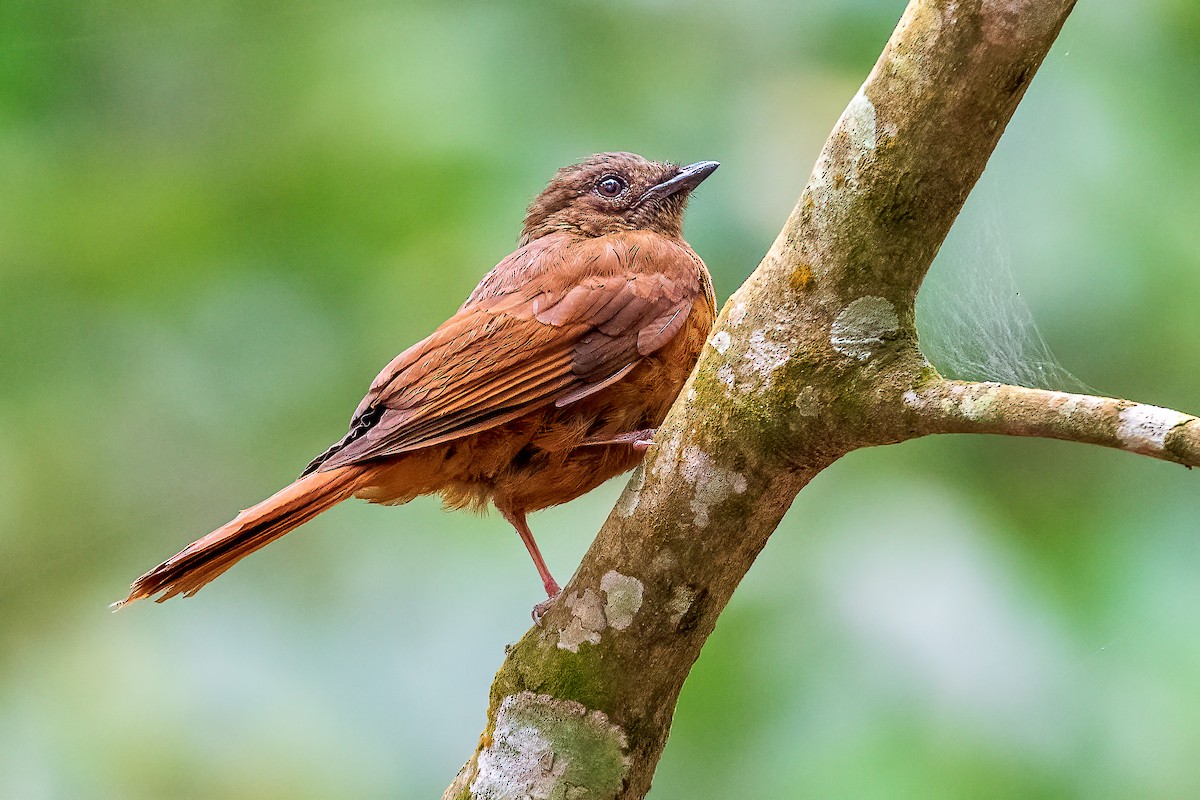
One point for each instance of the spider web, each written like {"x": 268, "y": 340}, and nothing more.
{"x": 973, "y": 322}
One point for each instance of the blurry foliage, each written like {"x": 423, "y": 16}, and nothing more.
{"x": 218, "y": 220}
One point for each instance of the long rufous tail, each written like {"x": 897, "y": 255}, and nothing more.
{"x": 191, "y": 568}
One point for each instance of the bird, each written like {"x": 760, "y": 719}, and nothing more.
{"x": 550, "y": 379}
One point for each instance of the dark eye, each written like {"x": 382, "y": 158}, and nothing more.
{"x": 610, "y": 186}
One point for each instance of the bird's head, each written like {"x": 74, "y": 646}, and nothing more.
{"x": 612, "y": 192}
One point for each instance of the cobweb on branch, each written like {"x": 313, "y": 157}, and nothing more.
{"x": 972, "y": 320}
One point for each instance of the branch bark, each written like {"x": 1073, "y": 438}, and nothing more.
{"x": 966, "y": 407}
{"x": 814, "y": 356}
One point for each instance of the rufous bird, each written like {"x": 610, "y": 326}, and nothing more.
{"x": 549, "y": 380}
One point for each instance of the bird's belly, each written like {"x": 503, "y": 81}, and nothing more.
{"x": 556, "y": 467}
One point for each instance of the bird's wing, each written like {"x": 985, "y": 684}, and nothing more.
{"x": 569, "y": 325}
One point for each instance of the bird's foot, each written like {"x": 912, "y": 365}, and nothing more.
{"x": 541, "y": 608}
{"x": 638, "y": 440}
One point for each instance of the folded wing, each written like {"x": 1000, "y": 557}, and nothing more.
{"x": 537, "y": 332}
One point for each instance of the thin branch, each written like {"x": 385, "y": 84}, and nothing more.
{"x": 968, "y": 407}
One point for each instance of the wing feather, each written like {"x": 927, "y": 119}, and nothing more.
{"x": 546, "y": 328}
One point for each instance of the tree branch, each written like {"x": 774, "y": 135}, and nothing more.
{"x": 966, "y": 407}
{"x": 810, "y": 359}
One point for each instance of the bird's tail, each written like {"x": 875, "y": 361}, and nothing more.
{"x": 187, "y": 571}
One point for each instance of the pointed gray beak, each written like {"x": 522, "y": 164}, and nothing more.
{"x": 685, "y": 180}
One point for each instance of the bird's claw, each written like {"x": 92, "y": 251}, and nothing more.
{"x": 541, "y": 608}
{"x": 638, "y": 440}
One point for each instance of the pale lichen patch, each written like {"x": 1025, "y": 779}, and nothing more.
{"x": 1081, "y": 405}
{"x": 836, "y": 174}
{"x": 572, "y": 636}
{"x": 858, "y": 120}
{"x": 711, "y": 483}
{"x": 946, "y": 404}
{"x": 863, "y": 326}
{"x": 976, "y": 406}
{"x": 737, "y": 314}
{"x": 543, "y": 748}
{"x": 906, "y": 64}
{"x": 765, "y": 355}
{"x": 680, "y": 603}
{"x": 807, "y": 402}
{"x": 754, "y": 359}
{"x": 665, "y": 560}
{"x": 667, "y": 453}
{"x": 623, "y": 598}
{"x": 587, "y": 621}
{"x": 726, "y": 376}
{"x": 629, "y": 499}
{"x": 1143, "y": 428}
{"x": 721, "y": 341}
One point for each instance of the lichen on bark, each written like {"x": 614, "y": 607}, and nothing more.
{"x": 815, "y": 355}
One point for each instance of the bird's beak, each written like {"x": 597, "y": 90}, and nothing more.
{"x": 685, "y": 180}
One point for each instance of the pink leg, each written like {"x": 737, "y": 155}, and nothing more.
{"x": 638, "y": 440}
{"x": 517, "y": 519}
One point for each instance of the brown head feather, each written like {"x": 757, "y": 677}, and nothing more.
{"x": 612, "y": 192}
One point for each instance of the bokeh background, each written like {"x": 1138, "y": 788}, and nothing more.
{"x": 218, "y": 220}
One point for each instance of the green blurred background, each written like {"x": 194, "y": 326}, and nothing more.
{"x": 218, "y": 220}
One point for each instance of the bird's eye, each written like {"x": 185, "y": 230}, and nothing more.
{"x": 610, "y": 186}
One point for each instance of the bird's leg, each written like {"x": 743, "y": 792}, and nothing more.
{"x": 638, "y": 440}
{"x": 517, "y": 520}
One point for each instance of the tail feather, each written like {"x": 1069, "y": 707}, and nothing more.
{"x": 190, "y": 569}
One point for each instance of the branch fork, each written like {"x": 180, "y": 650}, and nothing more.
{"x": 814, "y": 356}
